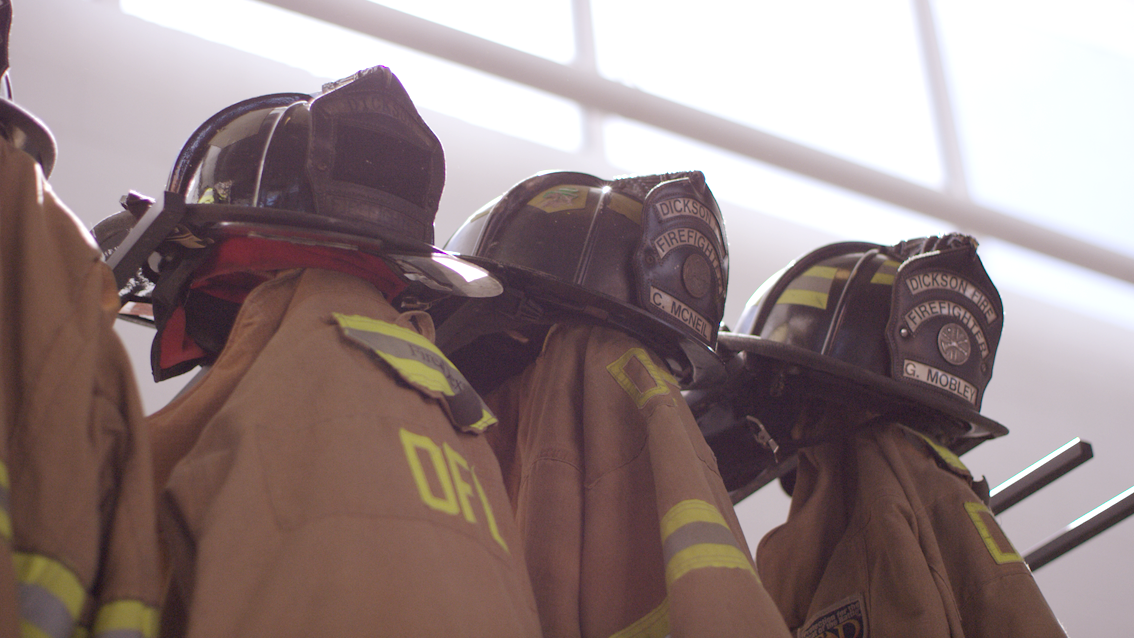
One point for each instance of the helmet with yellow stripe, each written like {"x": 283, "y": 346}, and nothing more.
{"x": 908, "y": 329}
{"x": 646, "y": 254}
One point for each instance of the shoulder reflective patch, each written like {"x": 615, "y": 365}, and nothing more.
{"x": 696, "y": 536}
{"x": 5, "y": 507}
{"x": 125, "y": 619}
{"x": 945, "y": 454}
{"x": 642, "y": 380}
{"x": 844, "y": 619}
{"x": 422, "y": 365}
{"x": 653, "y": 625}
{"x": 51, "y": 596}
{"x": 994, "y": 539}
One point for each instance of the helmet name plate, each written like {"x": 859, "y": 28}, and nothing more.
{"x": 683, "y": 313}
{"x": 918, "y": 371}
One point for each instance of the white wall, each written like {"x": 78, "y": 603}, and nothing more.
{"x": 122, "y": 95}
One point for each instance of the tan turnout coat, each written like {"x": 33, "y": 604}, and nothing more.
{"x": 316, "y": 486}
{"x": 78, "y": 548}
{"x": 627, "y": 525}
{"x": 886, "y": 538}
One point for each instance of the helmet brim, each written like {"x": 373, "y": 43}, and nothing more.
{"x": 560, "y": 300}
{"x": 31, "y": 135}
{"x": 872, "y": 387}
{"x": 417, "y": 260}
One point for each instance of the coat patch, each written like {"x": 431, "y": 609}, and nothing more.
{"x": 844, "y": 619}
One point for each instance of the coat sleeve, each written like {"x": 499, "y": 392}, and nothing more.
{"x": 80, "y": 514}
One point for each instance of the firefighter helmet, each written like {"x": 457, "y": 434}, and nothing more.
{"x": 353, "y": 168}
{"x": 644, "y": 253}
{"x": 24, "y": 130}
{"x": 911, "y": 328}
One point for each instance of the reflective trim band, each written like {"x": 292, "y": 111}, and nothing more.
{"x": 885, "y": 273}
{"x": 694, "y": 536}
{"x": 126, "y": 619}
{"x": 977, "y": 512}
{"x": 811, "y": 288}
{"x": 705, "y": 555}
{"x": 422, "y": 365}
{"x": 5, "y": 500}
{"x": 653, "y": 625}
{"x": 661, "y": 378}
{"x": 51, "y": 596}
{"x": 942, "y": 452}
{"x": 690, "y": 511}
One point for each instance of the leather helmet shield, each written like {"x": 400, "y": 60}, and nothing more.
{"x": 945, "y": 323}
{"x": 373, "y": 158}
{"x": 683, "y": 258}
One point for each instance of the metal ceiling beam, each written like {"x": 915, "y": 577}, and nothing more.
{"x": 593, "y": 91}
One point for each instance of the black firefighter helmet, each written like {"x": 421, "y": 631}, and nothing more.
{"x": 909, "y": 330}
{"x": 353, "y": 168}
{"x": 24, "y": 130}
{"x": 646, "y": 254}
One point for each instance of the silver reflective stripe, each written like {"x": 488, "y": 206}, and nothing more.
{"x": 45, "y": 611}
{"x": 698, "y": 533}
{"x": 120, "y": 633}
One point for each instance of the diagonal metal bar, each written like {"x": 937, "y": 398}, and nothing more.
{"x": 1084, "y": 529}
{"x": 591, "y": 90}
{"x": 1040, "y": 474}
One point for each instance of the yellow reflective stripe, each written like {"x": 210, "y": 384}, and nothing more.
{"x": 126, "y": 618}
{"x": 797, "y": 297}
{"x": 943, "y": 452}
{"x": 653, "y": 625}
{"x": 821, "y": 272}
{"x": 486, "y": 419}
{"x": 51, "y": 596}
{"x": 51, "y": 575}
{"x": 28, "y": 630}
{"x": 661, "y": 378}
{"x": 690, "y": 511}
{"x": 695, "y": 535}
{"x": 413, "y": 370}
{"x": 5, "y": 491}
{"x": 885, "y": 273}
{"x": 976, "y": 511}
{"x": 706, "y": 555}
{"x": 359, "y": 322}
{"x": 421, "y": 365}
